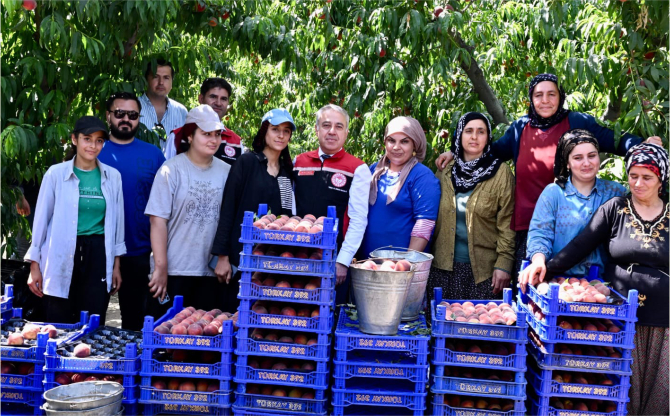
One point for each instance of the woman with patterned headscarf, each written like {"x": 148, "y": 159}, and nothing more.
{"x": 634, "y": 232}
{"x": 404, "y": 194}
{"x": 474, "y": 245}
{"x": 566, "y": 206}
{"x": 531, "y": 143}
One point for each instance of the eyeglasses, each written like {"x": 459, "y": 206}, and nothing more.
{"x": 132, "y": 115}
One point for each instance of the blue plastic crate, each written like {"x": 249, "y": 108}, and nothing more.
{"x": 553, "y": 334}
{"x": 244, "y": 411}
{"x": 7, "y": 299}
{"x": 25, "y": 396}
{"x": 19, "y": 409}
{"x": 515, "y": 361}
{"x": 128, "y": 365}
{"x": 365, "y": 383}
{"x": 549, "y": 359}
{"x": 323, "y": 295}
{"x": 317, "y": 379}
{"x": 34, "y": 351}
{"x": 369, "y": 364}
{"x": 454, "y": 329}
{"x": 348, "y": 337}
{"x": 441, "y": 409}
{"x": 220, "y": 398}
{"x": 320, "y": 324}
{"x": 287, "y": 265}
{"x": 130, "y": 388}
{"x": 317, "y": 352}
{"x": 221, "y": 369}
{"x": 452, "y": 384}
{"x": 377, "y": 396}
{"x": 541, "y": 405}
{"x": 550, "y": 303}
{"x": 542, "y": 382}
{"x": 365, "y": 410}
{"x": 151, "y": 339}
{"x": 185, "y": 409}
{"x": 130, "y": 408}
{"x": 327, "y": 239}
{"x": 31, "y": 381}
{"x": 278, "y": 404}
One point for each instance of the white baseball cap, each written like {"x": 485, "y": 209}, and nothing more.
{"x": 204, "y": 117}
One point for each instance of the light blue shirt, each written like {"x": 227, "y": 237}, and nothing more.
{"x": 561, "y": 214}
{"x": 54, "y": 238}
{"x": 174, "y": 117}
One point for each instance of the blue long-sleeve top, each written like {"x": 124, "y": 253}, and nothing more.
{"x": 561, "y": 214}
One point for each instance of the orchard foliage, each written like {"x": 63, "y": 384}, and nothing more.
{"x": 432, "y": 60}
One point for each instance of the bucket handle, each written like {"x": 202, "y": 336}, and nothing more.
{"x": 394, "y": 248}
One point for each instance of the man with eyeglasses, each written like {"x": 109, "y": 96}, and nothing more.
{"x": 216, "y": 93}
{"x": 331, "y": 176}
{"x": 157, "y": 108}
{"x": 138, "y": 162}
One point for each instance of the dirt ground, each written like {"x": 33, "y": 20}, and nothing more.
{"x": 113, "y": 312}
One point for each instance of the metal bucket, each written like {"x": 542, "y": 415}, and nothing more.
{"x": 380, "y": 297}
{"x": 86, "y": 395}
{"x": 417, "y": 290}
{"x": 111, "y": 409}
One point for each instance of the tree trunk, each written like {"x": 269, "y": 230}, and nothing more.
{"x": 614, "y": 106}
{"x": 479, "y": 83}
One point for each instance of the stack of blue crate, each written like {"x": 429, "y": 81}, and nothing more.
{"x": 6, "y": 311}
{"x": 379, "y": 374}
{"x": 478, "y": 367}
{"x": 23, "y": 365}
{"x": 114, "y": 356}
{"x": 580, "y": 353}
{"x": 285, "y": 324}
{"x": 186, "y": 374}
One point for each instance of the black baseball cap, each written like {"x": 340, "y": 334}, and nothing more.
{"x": 90, "y": 124}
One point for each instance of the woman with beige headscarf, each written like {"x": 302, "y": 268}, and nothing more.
{"x": 404, "y": 194}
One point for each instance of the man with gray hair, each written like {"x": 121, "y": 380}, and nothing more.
{"x": 331, "y": 176}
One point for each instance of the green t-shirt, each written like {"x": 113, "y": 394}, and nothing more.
{"x": 92, "y": 205}
{"x": 461, "y": 249}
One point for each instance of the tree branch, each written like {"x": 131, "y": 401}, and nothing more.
{"x": 479, "y": 83}
{"x": 614, "y": 106}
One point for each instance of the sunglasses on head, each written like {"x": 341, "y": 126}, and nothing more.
{"x": 132, "y": 115}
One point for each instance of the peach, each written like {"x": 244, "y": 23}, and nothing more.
{"x": 279, "y": 367}
{"x": 301, "y": 339}
{"x": 500, "y": 350}
{"x": 475, "y": 349}
{"x": 202, "y": 385}
{"x": 308, "y": 395}
{"x": 388, "y": 265}
{"x": 286, "y": 339}
{"x": 92, "y": 378}
{"x": 283, "y": 283}
{"x": 209, "y": 330}
{"x": 51, "y": 330}
{"x": 274, "y": 310}
{"x": 82, "y": 350}
{"x": 467, "y": 403}
{"x": 259, "y": 309}
{"x": 15, "y": 339}
{"x": 315, "y": 313}
{"x": 589, "y": 327}
{"x": 484, "y": 319}
{"x": 310, "y": 286}
{"x": 288, "y": 311}
{"x": 267, "y": 363}
{"x": 481, "y": 404}
{"x": 30, "y": 331}
{"x": 279, "y": 393}
{"x": 369, "y": 265}
{"x": 295, "y": 393}
{"x": 266, "y": 390}
{"x": 287, "y": 254}
{"x": 269, "y": 282}
{"x": 195, "y": 329}
{"x": 312, "y": 341}
{"x": 298, "y": 284}
{"x": 272, "y": 337}
{"x": 613, "y": 328}
{"x": 315, "y": 229}
{"x": 62, "y": 379}
{"x": 565, "y": 324}
{"x": 187, "y": 386}
{"x": 403, "y": 266}
{"x": 78, "y": 377}
{"x": 304, "y": 312}
{"x": 600, "y": 298}
{"x": 212, "y": 387}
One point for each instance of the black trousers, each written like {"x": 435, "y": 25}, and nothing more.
{"x": 134, "y": 291}
{"x": 520, "y": 241}
{"x": 201, "y": 292}
{"x": 88, "y": 288}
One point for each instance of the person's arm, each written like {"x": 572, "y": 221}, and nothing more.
{"x": 505, "y": 242}
{"x": 359, "y": 195}
{"x": 597, "y": 232}
{"x": 503, "y": 148}
{"x": 159, "y": 210}
{"x": 425, "y": 193}
{"x": 43, "y": 213}
{"x": 604, "y": 135}
{"x": 120, "y": 233}
{"x": 158, "y": 236}
{"x": 541, "y": 234}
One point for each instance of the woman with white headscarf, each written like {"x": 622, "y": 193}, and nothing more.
{"x": 404, "y": 194}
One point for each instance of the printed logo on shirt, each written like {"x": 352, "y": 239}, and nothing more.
{"x": 90, "y": 192}
{"x": 338, "y": 180}
{"x": 229, "y": 151}
{"x": 203, "y": 207}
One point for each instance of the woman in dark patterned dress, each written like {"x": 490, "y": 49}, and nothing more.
{"x": 634, "y": 230}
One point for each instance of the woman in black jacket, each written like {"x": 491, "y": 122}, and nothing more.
{"x": 262, "y": 176}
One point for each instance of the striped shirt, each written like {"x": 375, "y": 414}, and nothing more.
{"x": 174, "y": 117}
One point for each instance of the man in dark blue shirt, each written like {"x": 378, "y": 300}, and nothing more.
{"x": 138, "y": 162}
